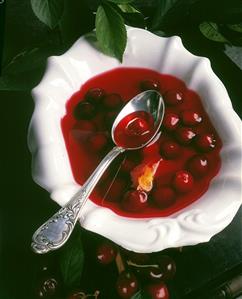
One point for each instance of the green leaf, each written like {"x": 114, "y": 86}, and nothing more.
{"x": 6, "y": 84}
{"x": 160, "y": 33}
{"x": 235, "y": 54}
{"x": 21, "y": 81}
{"x": 91, "y": 37}
{"x": 71, "y": 261}
{"x": 22, "y": 61}
{"x": 121, "y": 1}
{"x": 235, "y": 27}
{"x": 131, "y": 15}
{"x": 30, "y": 59}
{"x": 163, "y": 7}
{"x": 110, "y": 31}
{"x": 127, "y": 8}
{"x": 48, "y": 11}
{"x": 26, "y": 69}
{"x": 211, "y": 31}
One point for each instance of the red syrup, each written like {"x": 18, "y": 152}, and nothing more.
{"x": 188, "y": 143}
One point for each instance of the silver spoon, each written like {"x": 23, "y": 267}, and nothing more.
{"x": 56, "y": 231}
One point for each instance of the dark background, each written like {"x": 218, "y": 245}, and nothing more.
{"x": 24, "y": 205}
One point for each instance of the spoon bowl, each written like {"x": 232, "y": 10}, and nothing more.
{"x": 57, "y": 230}
{"x": 149, "y": 101}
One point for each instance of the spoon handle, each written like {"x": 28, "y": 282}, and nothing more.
{"x": 56, "y": 231}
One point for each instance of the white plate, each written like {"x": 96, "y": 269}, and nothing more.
{"x": 51, "y": 168}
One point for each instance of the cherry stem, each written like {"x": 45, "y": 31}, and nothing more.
{"x": 119, "y": 262}
{"x": 130, "y": 263}
{"x": 84, "y": 296}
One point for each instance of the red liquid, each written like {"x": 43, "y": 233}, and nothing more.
{"x": 86, "y": 147}
{"x": 134, "y": 130}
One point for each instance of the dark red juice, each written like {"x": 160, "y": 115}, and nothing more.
{"x": 159, "y": 179}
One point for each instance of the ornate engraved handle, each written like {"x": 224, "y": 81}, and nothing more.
{"x": 56, "y": 231}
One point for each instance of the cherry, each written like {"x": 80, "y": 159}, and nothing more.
{"x": 98, "y": 142}
{"x": 134, "y": 201}
{"x": 171, "y": 121}
{"x": 198, "y": 165}
{"x": 163, "y": 196}
{"x": 150, "y": 150}
{"x": 174, "y": 97}
{"x": 106, "y": 253}
{"x": 85, "y": 125}
{"x": 157, "y": 291}
{"x": 190, "y": 118}
{"x": 149, "y": 85}
{"x": 127, "y": 165}
{"x": 116, "y": 190}
{"x": 110, "y": 118}
{"x": 148, "y": 273}
{"x": 206, "y": 142}
{"x": 84, "y": 110}
{"x": 137, "y": 126}
{"x": 168, "y": 266}
{"x": 112, "y": 101}
{"x": 185, "y": 135}
{"x": 183, "y": 181}
{"x": 126, "y": 285}
{"x": 170, "y": 149}
{"x": 94, "y": 95}
{"x": 161, "y": 268}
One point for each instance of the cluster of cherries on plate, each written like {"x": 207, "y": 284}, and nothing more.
{"x": 164, "y": 176}
{"x": 149, "y": 274}
{"x": 141, "y": 271}
{"x": 138, "y": 272}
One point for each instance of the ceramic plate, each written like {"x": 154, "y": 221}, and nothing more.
{"x": 51, "y": 168}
